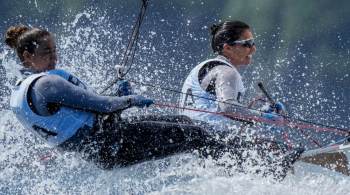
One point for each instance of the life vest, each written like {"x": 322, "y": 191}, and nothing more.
{"x": 195, "y": 97}
{"x": 55, "y": 128}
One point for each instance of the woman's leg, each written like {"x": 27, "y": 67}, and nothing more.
{"x": 126, "y": 143}
{"x": 139, "y": 139}
{"x": 154, "y": 139}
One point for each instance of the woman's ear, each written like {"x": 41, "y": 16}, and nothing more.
{"x": 226, "y": 47}
{"x": 27, "y": 57}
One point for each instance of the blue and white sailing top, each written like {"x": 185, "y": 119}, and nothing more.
{"x": 57, "y": 127}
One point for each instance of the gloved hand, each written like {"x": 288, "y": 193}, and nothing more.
{"x": 273, "y": 112}
{"x": 123, "y": 88}
{"x": 278, "y": 108}
{"x": 140, "y": 101}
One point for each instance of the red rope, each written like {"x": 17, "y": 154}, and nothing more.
{"x": 257, "y": 119}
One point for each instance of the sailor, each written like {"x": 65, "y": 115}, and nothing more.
{"x": 62, "y": 110}
{"x": 215, "y": 85}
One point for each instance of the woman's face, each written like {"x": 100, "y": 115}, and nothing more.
{"x": 240, "y": 54}
{"x": 44, "y": 57}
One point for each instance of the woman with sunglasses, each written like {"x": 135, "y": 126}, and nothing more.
{"x": 216, "y": 85}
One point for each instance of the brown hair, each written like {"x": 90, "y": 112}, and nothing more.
{"x": 226, "y": 32}
{"x": 23, "y": 38}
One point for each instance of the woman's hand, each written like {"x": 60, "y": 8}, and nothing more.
{"x": 140, "y": 101}
{"x": 279, "y": 108}
{"x": 273, "y": 112}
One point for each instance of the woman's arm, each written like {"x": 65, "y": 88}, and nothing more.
{"x": 55, "y": 89}
{"x": 226, "y": 82}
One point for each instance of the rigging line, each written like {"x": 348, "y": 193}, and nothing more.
{"x": 273, "y": 102}
{"x": 131, "y": 49}
{"x": 201, "y": 97}
{"x": 132, "y": 60}
{"x": 254, "y": 119}
{"x": 130, "y": 52}
{"x": 307, "y": 136}
{"x": 248, "y": 119}
{"x": 311, "y": 124}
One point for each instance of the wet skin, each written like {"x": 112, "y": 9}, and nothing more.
{"x": 238, "y": 54}
{"x": 44, "y": 57}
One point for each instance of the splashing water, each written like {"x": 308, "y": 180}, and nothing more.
{"x": 90, "y": 49}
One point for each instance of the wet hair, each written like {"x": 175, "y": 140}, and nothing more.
{"x": 225, "y": 32}
{"x": 23, "y": 38}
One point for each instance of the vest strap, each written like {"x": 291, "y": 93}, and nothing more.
{"x": 206, "y": 68}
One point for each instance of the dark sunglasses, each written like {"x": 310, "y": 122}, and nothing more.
{"x": 245, "y": 43}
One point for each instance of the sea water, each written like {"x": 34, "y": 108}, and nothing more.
{"x": 29, "y": 166}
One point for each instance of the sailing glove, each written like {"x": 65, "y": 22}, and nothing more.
{"x": 273, "y": 112}
{"x": 124, "y": 88}
{"x": 277, "y": 108}
{"x": 140, "y": 101}
{"x": 280, "y": 108}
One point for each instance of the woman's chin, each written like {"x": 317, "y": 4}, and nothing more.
{"x": 246, "y": 62}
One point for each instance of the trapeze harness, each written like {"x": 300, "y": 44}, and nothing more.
{"x": 57, "y": 127}
{"x": 195, "y": 97}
